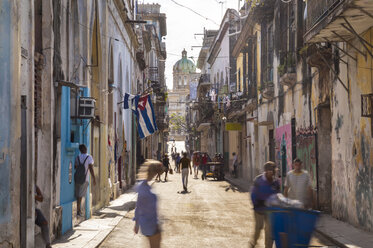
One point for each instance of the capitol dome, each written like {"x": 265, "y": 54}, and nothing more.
{"x": 184, "y": 65}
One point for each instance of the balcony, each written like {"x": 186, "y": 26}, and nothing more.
{"x": 206, "y": 112}
{"x": 268, "y": 90}
{"x": 337, "y": 20}
{"x": 153, "y": 74}
{"x": 287, "y": 69}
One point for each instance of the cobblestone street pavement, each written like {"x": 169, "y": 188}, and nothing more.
{"x": 213, "y": 214}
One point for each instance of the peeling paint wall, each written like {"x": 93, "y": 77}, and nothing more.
{"x": 352, "y": 180}
{"x": 16, "y": 74}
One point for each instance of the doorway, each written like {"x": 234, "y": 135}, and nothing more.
{"x": 324, "y": 158}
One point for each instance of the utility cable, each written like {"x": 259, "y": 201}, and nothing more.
{"x": 195, "y": 12}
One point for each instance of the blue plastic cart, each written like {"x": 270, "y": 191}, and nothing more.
{"x": 292, "y": 227}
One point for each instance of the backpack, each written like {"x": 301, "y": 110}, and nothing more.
{"x": 80, "y": 172}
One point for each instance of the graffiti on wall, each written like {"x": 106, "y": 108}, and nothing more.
{"x": 306, "y": 151}
{"x": 364, "y": 182}
{"x": 283, "y": 148}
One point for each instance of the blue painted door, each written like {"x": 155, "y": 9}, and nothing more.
{"x": 73, "y": 132}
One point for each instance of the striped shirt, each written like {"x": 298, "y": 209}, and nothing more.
{"x": 298, "y": 184}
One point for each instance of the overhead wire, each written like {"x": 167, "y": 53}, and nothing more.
{"x": 195, "y": 12}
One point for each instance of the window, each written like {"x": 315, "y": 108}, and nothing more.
{"x": 185, "y": 80}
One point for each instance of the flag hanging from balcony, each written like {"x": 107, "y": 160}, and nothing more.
{"x": 129, "y": 101}
{"x": 143, "y": 108}
{"x": 146, "y": 124}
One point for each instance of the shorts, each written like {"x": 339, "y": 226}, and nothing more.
{"x": 39, "y": 218}
{"x": 157, "y": 230}
{"x": 81, "y": 189}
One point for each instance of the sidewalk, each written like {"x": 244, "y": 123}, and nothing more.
{"x": 338, "y": 232}
{"x": 92, "y": 232}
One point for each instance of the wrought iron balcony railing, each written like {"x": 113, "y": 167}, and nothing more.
{"x": 318, "y": 9}
{"x": 153, "y": 74}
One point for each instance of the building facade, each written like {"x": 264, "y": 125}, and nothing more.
{"x": 152, "y": 56}
{"x": 65, "y": 68}
{"x": 303, "y": 89}
{"x": 184, "y": 77}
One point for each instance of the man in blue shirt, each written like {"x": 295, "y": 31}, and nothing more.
{"x": 146, "y": 216}
{"x": 265, "y": 185}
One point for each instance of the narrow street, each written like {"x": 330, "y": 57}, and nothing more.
{"x": 213, "y": 214}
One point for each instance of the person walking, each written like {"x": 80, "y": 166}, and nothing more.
{"x": 204, "y": 165}
{"x": 235, "y": 164}
{"x": 83, "y": 164}
{"x": 196, "y": 163}
{"x": 298, "y": 184}
{"x": 166, "y": 164}
{"x": 40, "y": 219}
{"x": 185, "y": 167}
{"x": 146, "y": 216}
{"x": 178, "y": 162}
{"x": 264, "y": 186}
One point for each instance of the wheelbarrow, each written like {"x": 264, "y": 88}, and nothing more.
{"x": 292, "y": 227}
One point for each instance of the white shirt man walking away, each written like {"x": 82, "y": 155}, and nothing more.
{"x": 185, "y": 168}
{"x": 83, "y": 164}
{"x": 298, "y": 184}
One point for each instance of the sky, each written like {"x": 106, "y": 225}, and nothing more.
{"x": 183, "y": 24}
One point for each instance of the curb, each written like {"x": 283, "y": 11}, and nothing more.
{"x": 108, "y": 232}
{"x": 336, "y": 242}
{"x": 238, "y": 185}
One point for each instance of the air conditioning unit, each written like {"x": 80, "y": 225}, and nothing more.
{"x": 86, "y": 107}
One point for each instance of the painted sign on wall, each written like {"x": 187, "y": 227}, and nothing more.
{"x": 283, "y": 149}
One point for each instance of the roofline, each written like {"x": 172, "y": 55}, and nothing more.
{"x": 219, "y": 37}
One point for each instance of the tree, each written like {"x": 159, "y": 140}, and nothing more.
{"x": 178, "y": 123}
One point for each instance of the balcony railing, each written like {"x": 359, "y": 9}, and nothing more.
{"x": 287, "y": 68}
{"x": 318, "y": 9}
{"x": 267, "y": 90}
{"x": 153, "y": 73}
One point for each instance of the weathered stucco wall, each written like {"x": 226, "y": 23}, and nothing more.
{"x": 352, "y": 180}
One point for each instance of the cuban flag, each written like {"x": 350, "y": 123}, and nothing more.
{"x": 146, "y": 124}
{"x": 129, "y": 101}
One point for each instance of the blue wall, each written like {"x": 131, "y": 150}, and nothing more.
{"x": 69, "y": 151}
{"x": 5, "y": 111}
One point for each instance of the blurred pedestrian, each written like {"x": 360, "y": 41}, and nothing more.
{"x": 185, "y": 167}
{"x": 204, "y": 161}
{"x": 220, "y": 158}
{"x": 265, "y": 185}
{"x": 235, "y": 164}
{"x": 196, "y": 162}
{"x": 178, "y": 162}
{"x": 166, "y": 164}
{"x": 40, "y": 219}
{"x": 146, "y": 216}
{"x": 298, "y": 184}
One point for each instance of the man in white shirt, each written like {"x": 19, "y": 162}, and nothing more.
{"x": 83, "y": 163}
{"x": 298, "y": 184}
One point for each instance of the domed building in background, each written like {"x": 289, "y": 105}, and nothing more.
{"x": 184, "y": 77}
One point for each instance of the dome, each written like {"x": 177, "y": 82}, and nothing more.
{"x": 184, "y": 65}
